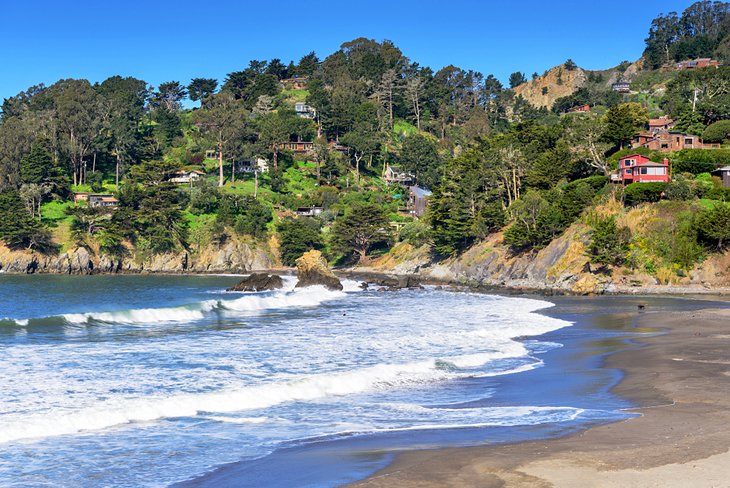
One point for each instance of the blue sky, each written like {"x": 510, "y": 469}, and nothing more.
{"x": 158, "y": 41}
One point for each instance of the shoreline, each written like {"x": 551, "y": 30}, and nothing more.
{"x": 679, "y": 381}
{"x": 455, "y": 285}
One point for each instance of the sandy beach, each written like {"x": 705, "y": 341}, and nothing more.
{"x": 680, "y": 381}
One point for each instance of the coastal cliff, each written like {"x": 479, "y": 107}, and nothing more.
{"x": 561, "y": 267}
{"x": 234, "y": 256}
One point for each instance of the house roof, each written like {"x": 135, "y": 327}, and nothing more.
{"x": 660, "y": 122}
{"x": 724, "y": 168}
{"x": 633, "y": 156}
{"x": 420, "y": 192}
{"x": 651, "y": 163}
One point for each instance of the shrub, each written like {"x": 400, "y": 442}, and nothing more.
{"x": 717, "y": 132}
{"x": 679, "y": 189}
{"x": 609, "y": 243}
{"x": 298, "y": 236}
{"x": 698, "y": 161}
{"x": 637, "y": 193}
{"x": 416, "y": 233}
{"x": 714, "y": 225}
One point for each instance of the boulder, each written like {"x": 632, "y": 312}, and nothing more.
{"x": 409, "y": 281}
{"x": 312, "y": 270}
{"x": 259, "y": 282}
{"x": 588, "y": 284}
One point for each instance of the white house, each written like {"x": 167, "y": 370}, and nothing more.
{"x": 186, "y": 176}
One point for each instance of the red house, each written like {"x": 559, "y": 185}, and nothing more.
{"x": 640, "y": 169}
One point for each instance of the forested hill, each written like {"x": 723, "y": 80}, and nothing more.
{"x": 321, "y": 153}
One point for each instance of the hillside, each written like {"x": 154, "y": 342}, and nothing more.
{"x": 555, "y": 83}
{"x": 560, "y": 82}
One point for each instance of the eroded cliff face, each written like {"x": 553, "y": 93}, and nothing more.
{"x": 561, "y": 267}
{"x": 235, "y": 256}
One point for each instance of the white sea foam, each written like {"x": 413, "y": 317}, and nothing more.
{"x": 239, "y": 420}
{"x": 250, "y": 398}
{"x": 248, "y": 302}
{"x": 288, "y": 362}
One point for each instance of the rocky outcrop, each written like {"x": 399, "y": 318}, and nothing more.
{"x": 390, "y": 283}
{"x": 259, "y": 282}
{"x": 556, "y": 83}
{"x": 561, "y": 267}
{"x": 312, "y": 270}
{"x": 235, "y": 256}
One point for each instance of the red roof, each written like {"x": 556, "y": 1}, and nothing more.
{"x": 660, "y": 122}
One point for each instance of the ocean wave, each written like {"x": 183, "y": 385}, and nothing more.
{"x": 120, "y": 412}
{"x": 250, "y": 302}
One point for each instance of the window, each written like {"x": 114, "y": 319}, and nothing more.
{"x": 628, "y": 171}
{"x": 665, "y": 146}
{"x": 688, "y": 142}
{"x": 643, "y": 171}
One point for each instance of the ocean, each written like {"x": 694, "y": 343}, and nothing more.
{"x": 147, "y": 381}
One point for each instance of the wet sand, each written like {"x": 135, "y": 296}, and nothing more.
{"x": 680, "y": 381}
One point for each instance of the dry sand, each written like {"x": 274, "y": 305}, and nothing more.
{"x": 681, "y": 438}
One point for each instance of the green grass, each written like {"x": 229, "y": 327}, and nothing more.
{"x": 401, "y": 127}
{"x": 299, "y": 181}
{"x": 54, "y": 212}
{"x": 708, "y": 204}
{"x": 296, "y": 95}
{"x": 196, "y": 222}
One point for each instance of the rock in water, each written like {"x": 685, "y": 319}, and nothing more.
{"x": 259, "y": 282}
{"x": 312, "y": 270}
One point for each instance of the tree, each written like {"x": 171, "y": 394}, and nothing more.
{"x": 714, "y": 225}
{"x": 609, "y": 243}
{"x": 414, "y": 87}
{"x": 201, "y": 88}
{"x": 308, "y": 64}
{"x": 585, "y": 136}
{"x": 363, "y": 226}
{"x": 570, "y": 65}
{"x": 298, "y": 236}
{"x": 363, "y": 140}
{"x": 169, "y": 95}
{"x": 150, "y": 208}
{"x": 623, "y": 121}
{"x": 125, "y": 100}
{"x": 717, "y": 132}
{"x": 18, "y": 228}
{"x": 419, "y": 156}
{"x": 276, "y": 127}
{"x": 84, "y": 118}
{"x": 516, "y": 79}
{"x": 223, "y": 123}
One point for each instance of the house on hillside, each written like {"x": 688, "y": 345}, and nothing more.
{"x": 309, "y": 211}
{"x": 186, "y": 176}
{"x": 211, "y": 154}
{"x": 640, "y": 169}
{"x": 252, "y": 165}
{"x": 336, "y": 146}
{"x": 394, "y": 174}
{"x": 668, "y": 141}
{"x": 660, "y": 124}
{"x": 102, "y": 200}
{"x": 305, "y": 111}
{"x": 724, "y": 174}
{"x": 621, "y": 87}
{"x": 296, "y": 83}
{"x": 81, "y": 196}
{"x": 418, "y": 201}
{"x": 301, "y": 147}
{"x": 698, "y": 64}
{"x": 580, "y": 109}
